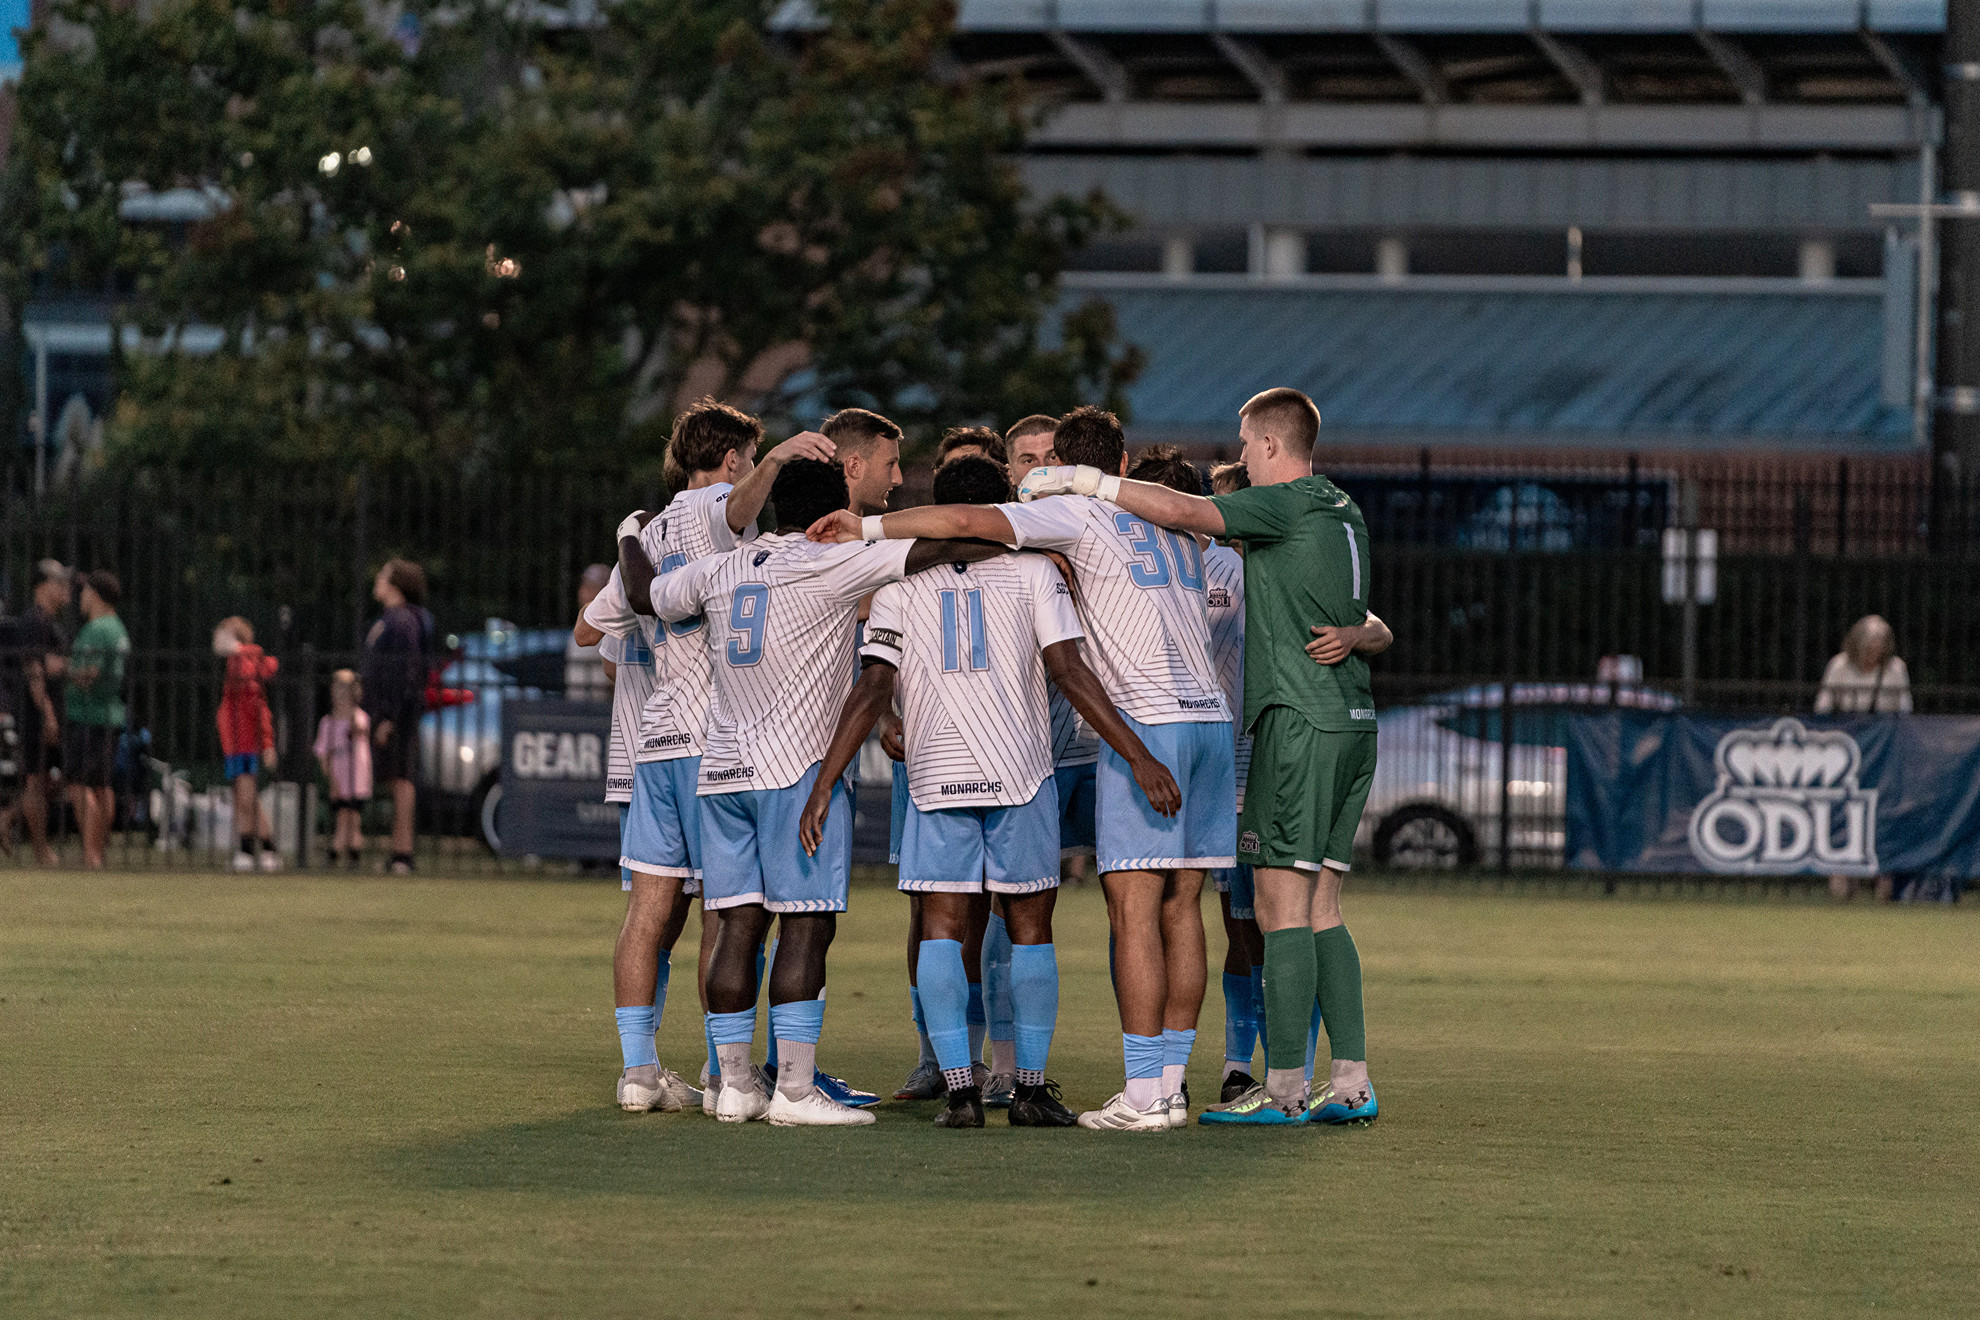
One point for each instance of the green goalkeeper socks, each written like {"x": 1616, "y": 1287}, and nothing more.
{"x": 1290, "y": 974}
{"x": 1339, "y": 978}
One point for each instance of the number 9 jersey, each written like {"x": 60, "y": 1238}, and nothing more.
{"x": 1141, "y": 599}
{"x": 781, "y": 615}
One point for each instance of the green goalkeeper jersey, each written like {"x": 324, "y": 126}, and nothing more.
{"x": 1306, "y": 563}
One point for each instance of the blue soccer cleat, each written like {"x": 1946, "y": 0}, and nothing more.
{"x": 1357, "y": 1107}
{"x": 838, "y": 1088}
{"x": 1254, "y": 1106}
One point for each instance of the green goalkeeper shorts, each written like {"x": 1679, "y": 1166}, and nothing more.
{"x": 1303, "y": 802}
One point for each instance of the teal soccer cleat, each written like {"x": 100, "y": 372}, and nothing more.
{"x": 1359, "y": 1107}
{"x": 1254, "y": 1106}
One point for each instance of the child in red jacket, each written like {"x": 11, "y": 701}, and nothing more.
{"x": 247, "y": 738}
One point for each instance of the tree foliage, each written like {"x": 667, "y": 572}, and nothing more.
{"x": 487, "y": 241}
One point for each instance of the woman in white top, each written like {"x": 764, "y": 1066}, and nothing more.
{"x": 1867, "y": 678}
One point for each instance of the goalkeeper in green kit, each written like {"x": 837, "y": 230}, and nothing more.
{"x": 1312, "y": 720}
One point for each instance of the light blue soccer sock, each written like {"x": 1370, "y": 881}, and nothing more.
{"x": 798, "y": 1025}
{"x": 1035, "y": 1005}
{"x": 714, "y": 1064}
{"x": 978, "y": 1021}
{"x": 1143, "y": 1057}
{"x": 732, "y": 1035}
{"x": 997, "y": 1003}
{"x": 921, "y": 1025}
{"x": 1176, "y": 1047}
{"x": 945, "y": 1000}
{"x": 1312, "y": 1042}
{"x": 1240, "y": 1022}
{"x": 636, "y": 1036}
{"x": 660, "y": 980}
{"x": 766, "y": 956}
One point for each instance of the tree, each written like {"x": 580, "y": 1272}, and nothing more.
{"x": 490, "y": 242}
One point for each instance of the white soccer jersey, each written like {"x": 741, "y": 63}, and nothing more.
{"x": 1141, "y": 595}
{"x": 1223, "y": 575}
{"x": 694, "y": 525}
{"x": 781, "y": 615}
{"x": 628, "y": 644}
{"x": 1073, "y": 740}
{"x": 967, "y": 640}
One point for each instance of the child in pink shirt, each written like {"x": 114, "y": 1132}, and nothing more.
{"x": 343, "y": 746}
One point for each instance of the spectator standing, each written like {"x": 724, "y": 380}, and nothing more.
{"x": 394, "y": 677}
{"x": 343, "y": 746}
{"x": 95, "y": 702}
{"x": 247, "y": 738}
{"x": 44, "y": 659}
{"x": 1867, "y": 677}
{"x": 585, "y": 678}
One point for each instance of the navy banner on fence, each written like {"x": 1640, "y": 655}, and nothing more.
{"x": 1886, "y": 795}
{"x": 553, "y": 781}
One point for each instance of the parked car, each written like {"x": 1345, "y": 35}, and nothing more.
{"x": 460, "y": 746}
{"x": 1435, "y": 801}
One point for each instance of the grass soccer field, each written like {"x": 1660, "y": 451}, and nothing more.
{"x": 310, "y": 1096}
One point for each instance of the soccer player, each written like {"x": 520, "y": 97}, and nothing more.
{"x": 971, "y": 442}
{"x": 1244, "y": 950}
{"x": 710, "y": 457}
{"x": 1030, "y": 441}
{"x": 1141, "y": 593}
{"x": 984, "y": 818}
{"x": 779, "y": 623}
{"x": 1308, "y": 709}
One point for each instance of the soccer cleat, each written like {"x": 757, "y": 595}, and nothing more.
{"x": 924, "y": 1083}
{"x": 1255, "y": 1106}
{"x": 1117, "y": 1115}
{"x": 965, "y": 1110}
{"x": 638, "y": 1093}
{"x": 675, "y": 1093}
{"x": 736, "y": 1105}
{"x": 838, "y": 1088}
{"x": 1331, "y": 1107}
{"x": 998, "y": 1090}
{"x": 1179, "y": 1107}
{"x": 813, "y": 1109}
{"x": 1236, "y": 1085}
{"x": 709, "y": 1092}
{"x": 271, "y": 860}
{"x": 243, "y": 861}
{"x": 1040, "y": 1106}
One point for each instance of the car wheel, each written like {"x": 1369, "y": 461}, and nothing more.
{"x": 1425, "y": 837}
{"x": 486, "y": 807}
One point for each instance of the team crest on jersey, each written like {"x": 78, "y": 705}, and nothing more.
{"x": 1787, "y": 801}
{"x": 761, "y": 555}
{"x": 1248, "y": 842}
{"x": 1219, "y": 598}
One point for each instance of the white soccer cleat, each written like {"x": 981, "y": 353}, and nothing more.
{"x": 1117, "y": 1115}
{"x": 636, "y": 1096}
{"x": 736, "y": 1105}
{"x": 270, "y": 860}
{"x": 815, "y": 1109}
{"x": 243, "y": 861}
{"x": 710, "y": 1088}
{"x": 1178, "y": 1106}
{"x": 674, "y": 1093}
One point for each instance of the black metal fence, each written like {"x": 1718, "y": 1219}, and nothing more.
{"x": 1518, "y": 579}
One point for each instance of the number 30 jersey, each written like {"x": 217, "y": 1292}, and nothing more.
{"x": 781, "y": 615}
{"x": 967, "y": 641}
{"x": 693, "y": 526}
{"x": 1141, "y": 591}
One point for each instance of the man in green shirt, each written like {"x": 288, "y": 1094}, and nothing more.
{"x": 95, "y": 701}
{"x": 1308, "y": 708}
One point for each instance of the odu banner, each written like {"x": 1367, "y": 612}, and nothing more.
{"x": 1883, "y": 795}
{"x": 553, "y": 781}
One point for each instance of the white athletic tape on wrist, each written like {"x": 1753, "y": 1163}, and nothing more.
{"x": 1109, "y": 489}
{"x": 628, "y": 526}
{"x": 870, "y": 528}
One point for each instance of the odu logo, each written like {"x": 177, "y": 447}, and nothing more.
{"x": 1787, "y": 801}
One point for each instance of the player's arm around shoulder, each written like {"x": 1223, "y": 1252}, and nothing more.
{"x": 1144, "y": 499}
{"x": 934, "y": 522}
{"x": 871, "y": 696}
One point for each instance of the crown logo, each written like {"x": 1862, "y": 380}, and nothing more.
{"x": 1787, "y": 800}
{"x": 1788, "y": 756}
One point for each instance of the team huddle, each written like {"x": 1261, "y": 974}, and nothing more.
{"x": 1082, "y": 666}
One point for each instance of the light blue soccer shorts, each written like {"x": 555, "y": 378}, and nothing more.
{"x": 662, "y": 831}
{"x": 1236, "y": 881}
{"x": 898, "y": 820}
{"x": 975, "y": 850}
{"x": 1133, "y": 836}
{"x": 753, "y": 854}
{"x": 1076, "y": 800}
